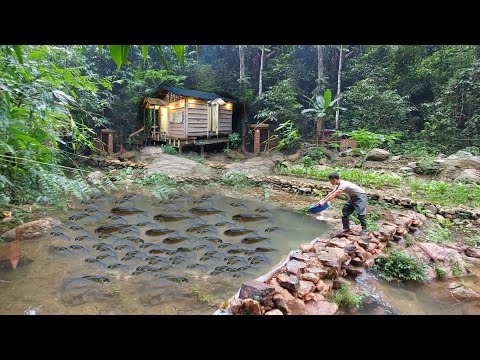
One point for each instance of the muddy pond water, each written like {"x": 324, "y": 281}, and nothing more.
{"x": 127, "y": 253}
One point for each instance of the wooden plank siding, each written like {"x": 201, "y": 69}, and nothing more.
{"x": 198, "y": 119}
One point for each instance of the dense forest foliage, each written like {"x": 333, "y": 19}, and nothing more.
{"x": 51, "y": 97}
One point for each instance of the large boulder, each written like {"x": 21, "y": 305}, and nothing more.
{"x": 460, "y": 154}
{"x": 452, "y": 168}
{"x": 256, "y": 290}
{"x": 470, "y": 175}
{"x": 32, "y": 229}
{"x": 377, "y": 155}
{"x": 94, "y": 176}
{"x": 128, "y": 155}
{"x": 254, "y": 166}
{"x": 176, "y": 166}
{"x": 321, "y": 308}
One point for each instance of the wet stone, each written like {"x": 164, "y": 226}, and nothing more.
{"x": 288, "y": 282}
{"x": 84, "y": 290}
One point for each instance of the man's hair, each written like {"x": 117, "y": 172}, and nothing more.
{"x": 333, "y": 175}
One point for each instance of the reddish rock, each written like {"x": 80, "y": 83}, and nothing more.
{"x": 297, "y": 255}
{"x": 289, "y": 306}
{"x": 340, "y": 243}
{"x": 310, "y": 297}
{"x": 310, "y": 277}
{"x": 250, "y": 307}
{"x": 333, "y": 258}
{"x": 235, "y": 306}
{"x": 256, "y": 290}
{"x": 356, "y": 261}
{"x": 305, "y": 287}
{"x": 295, "y": 267}
{"x": 472, "y": 252}
{"x": 318, "y": 271}
{"x": 387, "y": 230}
{"x": 296, "y": 307}
{"x": 319, "y": 246}
{"x": 280, "y": 290}
{"x": 354, "y": 270}
{"x": 31, "y": 229}
{"x": 288, "y": 282}
{"x": 307, "y": 248}
{"x": 274, "y": 312}
{"x": 400, "y": 230}
{"x": 321, "y": 308}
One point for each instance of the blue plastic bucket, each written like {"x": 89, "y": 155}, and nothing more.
{"x": 316, "y": 209}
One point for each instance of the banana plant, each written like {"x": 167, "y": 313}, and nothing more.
{"x": 320, "y": 107}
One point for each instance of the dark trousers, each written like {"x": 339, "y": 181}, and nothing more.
{"x": 358, "y": 204}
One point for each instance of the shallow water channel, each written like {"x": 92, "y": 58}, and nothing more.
{"x": 127, "y": 253}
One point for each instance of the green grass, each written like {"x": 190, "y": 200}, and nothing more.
{"x": 371, "y": 218}
{"x": 399, "y": 266}
{"x": 201, "y": 294}
{"x": 302, "y": 210}
{"x": 360, "y": 177}
{"x": 438, "y": 235}
{"x": 445, "y": 193}
{"x": 238, "y": 181}
{"x": 169, "y": 149}
{"x": 345, "y": 298}
{"x": 441, "y": 273}
{"x": 472, "y": 240}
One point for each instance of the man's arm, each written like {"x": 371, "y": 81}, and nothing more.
{"x": 330, "y": 197}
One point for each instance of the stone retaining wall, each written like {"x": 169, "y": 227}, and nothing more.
{"x": 299, "y": 285}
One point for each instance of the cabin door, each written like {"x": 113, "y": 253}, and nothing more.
{"x": 213, "y": 118}
{"x": 163, "y": 119}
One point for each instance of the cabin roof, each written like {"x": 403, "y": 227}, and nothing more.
{"x": 154, "y": 101}
{"x": 194, "y": 93}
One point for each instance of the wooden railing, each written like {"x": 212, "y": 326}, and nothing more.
{"x": 136, "y": 132}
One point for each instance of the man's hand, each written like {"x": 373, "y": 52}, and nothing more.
{"x": 321, "y": 203}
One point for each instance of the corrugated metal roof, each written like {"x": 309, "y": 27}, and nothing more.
{"x": 155, "y": 101}
{"x": 194, "y": 93}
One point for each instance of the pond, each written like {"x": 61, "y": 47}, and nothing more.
{"x": 128, "y": 253}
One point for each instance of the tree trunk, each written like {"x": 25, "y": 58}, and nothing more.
{"x": 339, "y": 84}
{"x": 241, "y": 52}
{"x": 260, "y": 76}
{"x": 244, "y": 128}
{"x": 321, "y": 69}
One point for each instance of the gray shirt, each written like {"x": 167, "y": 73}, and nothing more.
{"x": 350, "y": 188}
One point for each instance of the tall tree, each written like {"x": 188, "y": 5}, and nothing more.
{"x": 241, "y": 53}
{"x": 339, "y": 84}
{"x": 321, "y": 69}
{"x": 243, "y": 80}
{"x": 260, "y": 76}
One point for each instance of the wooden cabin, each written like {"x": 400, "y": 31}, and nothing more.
{"x": 186, "y": 117}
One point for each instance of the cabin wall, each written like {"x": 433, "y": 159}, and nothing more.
{"x": 224, "y": 121}
{"x": 198, "y": 119}
{"x": 176, "y": 129}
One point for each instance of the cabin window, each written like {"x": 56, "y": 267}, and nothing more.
{"x": 177, "y": 117}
